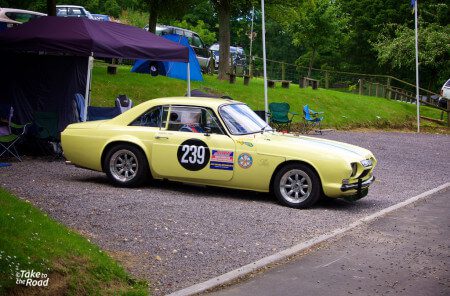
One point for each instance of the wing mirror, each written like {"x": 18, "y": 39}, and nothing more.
{"x": 207, "y": 130}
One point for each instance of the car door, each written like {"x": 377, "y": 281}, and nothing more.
{"x": 193, "y": 146}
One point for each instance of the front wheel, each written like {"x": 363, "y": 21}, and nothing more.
{"x": 297, "y": 186}
{"x": 126, "y": 166}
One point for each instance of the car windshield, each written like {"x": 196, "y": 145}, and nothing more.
{"x": 241, "y": 120}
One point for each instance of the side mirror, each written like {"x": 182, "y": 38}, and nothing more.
{"x": 207, "y": 130}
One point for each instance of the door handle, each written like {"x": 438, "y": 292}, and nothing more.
{"x": 161, "y": 137}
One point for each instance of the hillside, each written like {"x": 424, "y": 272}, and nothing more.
{"x": 341, "y": 110}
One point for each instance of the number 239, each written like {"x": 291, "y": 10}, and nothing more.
{"x": 193, "y": 154}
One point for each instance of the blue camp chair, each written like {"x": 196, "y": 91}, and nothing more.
{"x": 79, "y": 102}
{"x": 312, "y": 119}
{"x": 279, "y": 115}
{"x": 97, "y": 113}
{"x": 11, "y": 135}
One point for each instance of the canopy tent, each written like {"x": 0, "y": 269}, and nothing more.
{"x": 46, "y": 61}
{"x": 173, "y": 69}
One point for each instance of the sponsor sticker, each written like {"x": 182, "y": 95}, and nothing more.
{"x": 245, "y": 160}
{"x": 222, "y": 160}
{"x": 249, "y": 144}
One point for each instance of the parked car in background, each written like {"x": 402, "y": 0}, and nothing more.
{"x": 73, "y": 11}
{"x": 238, "y": 59}
{"x": 445, "y": 95}
{"x": 10, "y": 17}
{"x": 101, "y": 17}
{"x": 201, "y": 49}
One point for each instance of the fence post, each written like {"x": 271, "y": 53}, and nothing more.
{"x": 361, "y": 86}
{"x": 327, "y": 80}
{"x": 389, "y": 93}
{"x": 283, "y": 71}
{"x": 377, "y": 85}
{"x": 448, "y": 113}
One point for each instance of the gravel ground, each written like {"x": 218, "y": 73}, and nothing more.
{"x": 176, "y": 235}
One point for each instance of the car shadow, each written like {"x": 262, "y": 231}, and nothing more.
{"x": 201, "y": 191}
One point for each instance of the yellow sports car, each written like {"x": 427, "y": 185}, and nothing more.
{"x": 217, "y": 142}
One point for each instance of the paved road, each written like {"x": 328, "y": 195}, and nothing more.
{"x": 406, "y": 252}
{"x": 176, "y": 235}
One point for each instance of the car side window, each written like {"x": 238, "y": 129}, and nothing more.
{"x": 194, "y": 120}
{"x": 155, "y": 117}
{"x": 196, "y": 41}
{"x": 61, "y": 11}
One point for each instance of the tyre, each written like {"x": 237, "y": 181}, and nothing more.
{"x": 126, "y": 166}
{"x": 297, "y": 186}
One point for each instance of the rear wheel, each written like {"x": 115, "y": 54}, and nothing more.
{"x": 297, "y": 186}
{"x": 126, "y": 165}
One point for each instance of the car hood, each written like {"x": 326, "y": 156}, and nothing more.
{"x": 298, "y": 146}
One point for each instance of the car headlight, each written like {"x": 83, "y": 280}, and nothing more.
{"x": 354, "y": 169}
{"x": 366, "y": 163}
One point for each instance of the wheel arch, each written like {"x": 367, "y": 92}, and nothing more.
{"x": 288, "y": 162}
{"x": 118, "y": 142}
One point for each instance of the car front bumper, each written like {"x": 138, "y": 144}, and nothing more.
{"x": 359, "y": 185}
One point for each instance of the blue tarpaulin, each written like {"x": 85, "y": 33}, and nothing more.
{"x": 173, "y": 69}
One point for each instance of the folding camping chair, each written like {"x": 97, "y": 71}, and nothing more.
{"x": 46, "y": 131}
{"x": 279, "y": 115}
{"x": 11, "y": 135}
{"x": 312, "y": 119}
{"x": 123, "y": 103}
{"x": 96, "y": 113}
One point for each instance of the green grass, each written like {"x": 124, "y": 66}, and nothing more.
{"x": 32, "y": 241}
{"x": 342, "y": 110}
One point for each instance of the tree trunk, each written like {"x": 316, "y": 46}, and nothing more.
{"x": 153, "y": 17}
{"x": 311, "y": 62}
{"x": 224, "y": 13}
{"x": 51, "y": 7}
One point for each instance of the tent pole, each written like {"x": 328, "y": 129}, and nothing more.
{"x": 266, "y": 107}
{"x": 188, "y": 80}
{"x": 88, "y": 85}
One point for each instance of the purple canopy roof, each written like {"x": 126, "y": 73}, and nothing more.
{"x": 81, "y": 37}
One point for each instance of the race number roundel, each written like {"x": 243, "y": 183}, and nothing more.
{"x": 193, "y": 154}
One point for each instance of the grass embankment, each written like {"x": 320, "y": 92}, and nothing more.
{"x": 31, "y": 241}
{"x": 341, "y": 110}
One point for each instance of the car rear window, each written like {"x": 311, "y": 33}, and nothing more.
{"x": 447, "y": 84}
{"x": 21, "y": 17}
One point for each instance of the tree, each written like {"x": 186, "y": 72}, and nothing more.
{"x": 315, "y": 25}
{"x": 171, "y": 8}
{"x": 51, "y": 7}
{"x": 227, "y": 9}
{"x": 397, "y": 50}
{"x": 223, "y": 8}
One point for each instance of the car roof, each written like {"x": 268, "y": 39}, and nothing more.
{"x": 173, "y": 27}
{"x": 2, "y": 10}
{"x": 133, "y": 113}
{"x": 191, "y": 101}
{"x": 70, "y": 6}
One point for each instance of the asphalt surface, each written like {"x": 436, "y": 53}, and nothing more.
{"x": 406, "y": 252}
{"x": 176, "y": 235}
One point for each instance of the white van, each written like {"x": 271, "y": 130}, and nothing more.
{"x": 445, "y": 95}
{"x": 10, "y": 17}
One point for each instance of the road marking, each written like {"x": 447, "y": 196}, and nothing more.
{"x": 254, "y": 266}
{"x": 328, "y": 264}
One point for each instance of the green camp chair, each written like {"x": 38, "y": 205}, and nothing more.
{"x": 11, "y": 136}
{"x": 47, "y": 133}
{"x": 279, "y": 115}
{"x": 46, "y": 124}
